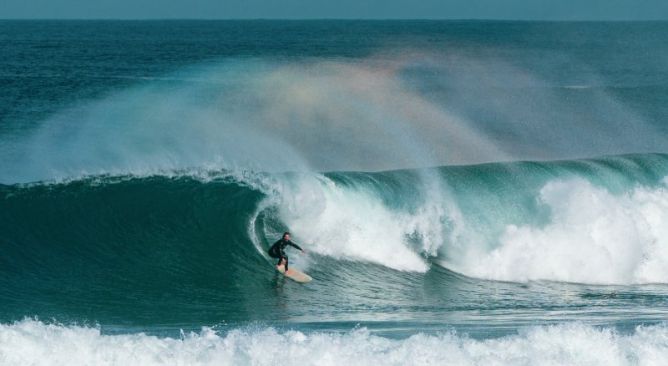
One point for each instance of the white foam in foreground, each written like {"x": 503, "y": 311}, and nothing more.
{"x": 594, "y": 236}
{"x": 32, "y": 342}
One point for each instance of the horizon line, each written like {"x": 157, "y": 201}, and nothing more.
{"x": 348, "y": 19}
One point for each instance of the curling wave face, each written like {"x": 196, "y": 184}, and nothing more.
{"x": 125, "y": 242}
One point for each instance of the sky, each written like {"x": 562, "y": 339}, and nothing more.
{"x": 355, "y": 9}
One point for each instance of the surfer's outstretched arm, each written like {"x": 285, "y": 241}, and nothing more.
{"x": 295, "y": 245}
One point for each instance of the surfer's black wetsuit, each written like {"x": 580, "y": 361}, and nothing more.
{"x": 278, "y": 251}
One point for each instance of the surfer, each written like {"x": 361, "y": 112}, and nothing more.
{"x": 278, "y": 250}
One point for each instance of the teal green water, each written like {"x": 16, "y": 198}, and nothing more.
{"x": 179, "y": 252}
{"x": 468, "y": 192}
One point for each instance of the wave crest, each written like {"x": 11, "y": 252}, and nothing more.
{"x": 593, "y": 236}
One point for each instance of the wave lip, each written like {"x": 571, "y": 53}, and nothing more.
{"x": 34, "y": 342}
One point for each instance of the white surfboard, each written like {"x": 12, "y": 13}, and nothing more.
{"x": 294, "y": 274}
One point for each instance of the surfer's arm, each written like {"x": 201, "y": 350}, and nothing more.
{"x": 295, "y": 245}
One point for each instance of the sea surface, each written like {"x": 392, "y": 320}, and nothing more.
{"x": 467, "y": 192}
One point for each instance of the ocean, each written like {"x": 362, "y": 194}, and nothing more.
{"x": 467, "y": 192}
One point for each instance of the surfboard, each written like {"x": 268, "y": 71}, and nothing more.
{"x": 294, "y": 274}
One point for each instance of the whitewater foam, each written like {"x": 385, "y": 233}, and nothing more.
{"x": 36, "y": 343}
{"x": 353, "y": 222}
{"x": 594, "y": 236}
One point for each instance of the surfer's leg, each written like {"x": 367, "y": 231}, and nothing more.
{"x": 286, "y": 263}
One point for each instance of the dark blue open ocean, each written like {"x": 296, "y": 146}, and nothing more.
{"x": 468, "y": 192}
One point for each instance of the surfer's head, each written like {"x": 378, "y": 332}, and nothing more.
{"x": 286, "y": 235}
